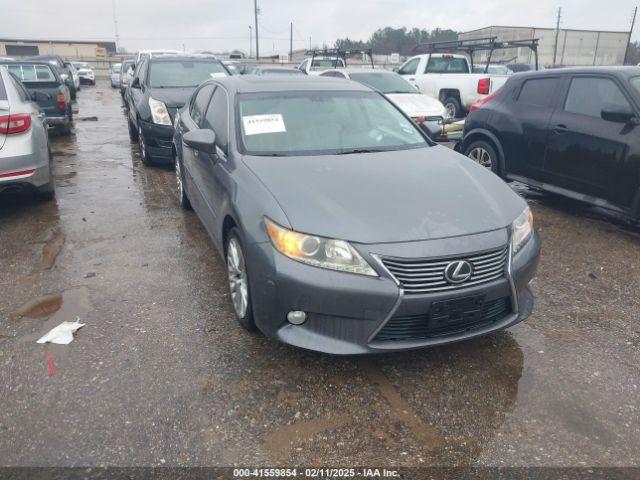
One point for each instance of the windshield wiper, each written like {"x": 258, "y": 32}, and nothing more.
{"x": 360, "y": 150}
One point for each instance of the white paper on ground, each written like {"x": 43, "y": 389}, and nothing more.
{"x": 256, "y": 124}
{"x": 62, "y": 334}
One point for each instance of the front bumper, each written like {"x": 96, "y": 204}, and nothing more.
{"x": 346, "y": 312}
{"x": 158, "y": 140}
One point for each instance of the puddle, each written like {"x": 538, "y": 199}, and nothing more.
{"x": 51, "y": 250}
{"x": 282, "y": 440}
{"x": 40, "y": 307}
{"x": 55, "y": 309}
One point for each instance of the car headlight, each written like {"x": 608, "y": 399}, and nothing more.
{"x": 159, "y": 112}
{"x": 318, "y": 251}
{"x": 521, "y": 230}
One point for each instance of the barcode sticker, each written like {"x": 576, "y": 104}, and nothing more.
{"x": 257, "y": 124}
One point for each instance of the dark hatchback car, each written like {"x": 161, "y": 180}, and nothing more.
{"x": 345, "y": 229}
{"x": 47, "y": 89}
{"x": 574, "y": 132}
{"x": 160, "y": 85}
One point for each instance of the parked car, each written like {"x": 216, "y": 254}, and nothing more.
{"x": 345, "y": 229}
{"x": 448, "y": 78}
{"x": 269, "y": 70}
{"x": 114, "y": 75}
{"x": 85, "y": 72}
{"x": 522, "y": 67}
{"x": 572, "y": 132}
{"x": 63, "y": 71}
{"x": 25, "y": 157}
{"x": 493, "y": 69}
{"x": 161, "y": 84}
{"x": 425, "y": 111}
{"x": 47, "y": 89}
{"x": 148, "y": 53}
{"x": 126, "y": 72}
{"x": 315, "y": 65}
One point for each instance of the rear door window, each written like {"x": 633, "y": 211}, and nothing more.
{"x": 410, "y": 67}
{"x": 539, "y": 91}
{"x": 447, "y": 65}
{"x": 590, "y": 95}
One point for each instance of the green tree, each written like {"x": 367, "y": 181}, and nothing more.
{"x": 401, "y": 40}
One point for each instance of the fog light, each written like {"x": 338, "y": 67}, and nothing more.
{"x": 297, "y": 317}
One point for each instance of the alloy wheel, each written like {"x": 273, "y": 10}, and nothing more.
{"x": 238, "y": 284}
{"x": 481, "y": 156}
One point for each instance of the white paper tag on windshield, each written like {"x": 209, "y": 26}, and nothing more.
{"x": 217, "y": 74}
{"x": 256, "y": 124}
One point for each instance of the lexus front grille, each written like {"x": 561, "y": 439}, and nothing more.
{"x": 425, "y": 275}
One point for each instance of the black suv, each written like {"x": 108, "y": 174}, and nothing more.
{"x": 161, "y": 84}
{"x": 575, "y": 132}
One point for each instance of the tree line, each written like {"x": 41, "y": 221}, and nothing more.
{"x": 396, "y": 40}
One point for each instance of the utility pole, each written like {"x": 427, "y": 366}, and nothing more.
{"x": 555, "y": 45}
{"x": 115, "y": 24}
{"x": 633, "y": 22}
{"x": 250, "y": 43}
{"x": 255, "y": 10}
{"x": 291, "y": 44}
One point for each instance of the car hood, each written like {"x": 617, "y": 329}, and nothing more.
{"x": 417, "y": 104}
{"x": 406, "y": 195}
{"x": 172, "y": 97}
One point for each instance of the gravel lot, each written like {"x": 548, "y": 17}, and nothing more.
{"x": 162, "y": 375}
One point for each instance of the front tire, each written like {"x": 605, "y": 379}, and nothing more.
{"x": 133, "y": 133}
{"x": 144, "y": 154}
{"x": 239, "y": 280}
{"x": 182, "y": 193}
{"x": 484, "y": 154}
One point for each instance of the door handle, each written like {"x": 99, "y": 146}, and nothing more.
{"x": 560, "y": 129}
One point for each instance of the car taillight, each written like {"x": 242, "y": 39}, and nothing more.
{"x": 482, "y": 102}
{"x": 10, "y": 124}
{"x": 484, "y": 84}
{"x": 61, "y": 103}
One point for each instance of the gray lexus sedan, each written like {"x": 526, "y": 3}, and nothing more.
{"x": 344, "y": 228}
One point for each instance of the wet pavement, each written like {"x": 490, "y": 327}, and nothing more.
{"x": 163, "y": 375}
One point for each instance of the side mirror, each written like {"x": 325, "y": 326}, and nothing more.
{"x": 619, "y": 114}
{"x": 396, "y": 69}
{"x": 202, "y": 139}
{"x": 135, "y": 83}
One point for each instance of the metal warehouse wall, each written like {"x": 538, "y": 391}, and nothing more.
{"x": 575, "y": 47}
{"x": 65, "y": 50}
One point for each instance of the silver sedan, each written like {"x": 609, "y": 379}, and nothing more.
{"x": 25, "y": 157}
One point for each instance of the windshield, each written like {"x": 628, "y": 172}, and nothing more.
{"x": 635, "y": 83}
{"x": 185, "y": 73}
{"x": 280, "y": 71}
{"x": 326, "y": 63}
{"x": 116, "y": 68}
{"x": 80, "y": 65}
{"x": 322, "y": 123}
{"x": 384, "y": 82}
{"x": 32, "y": 73}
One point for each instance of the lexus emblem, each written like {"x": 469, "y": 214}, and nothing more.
{"x": 458, "y": 272}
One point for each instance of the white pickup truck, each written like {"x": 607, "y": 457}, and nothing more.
{"x": 448, "y": 78}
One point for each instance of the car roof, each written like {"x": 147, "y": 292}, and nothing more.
{"x": 298, "y": 83}
{"x": 181, "y": 56}
{"x": 621, "y": 71}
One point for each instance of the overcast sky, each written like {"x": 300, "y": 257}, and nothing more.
{"x": 221, "y": 25}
